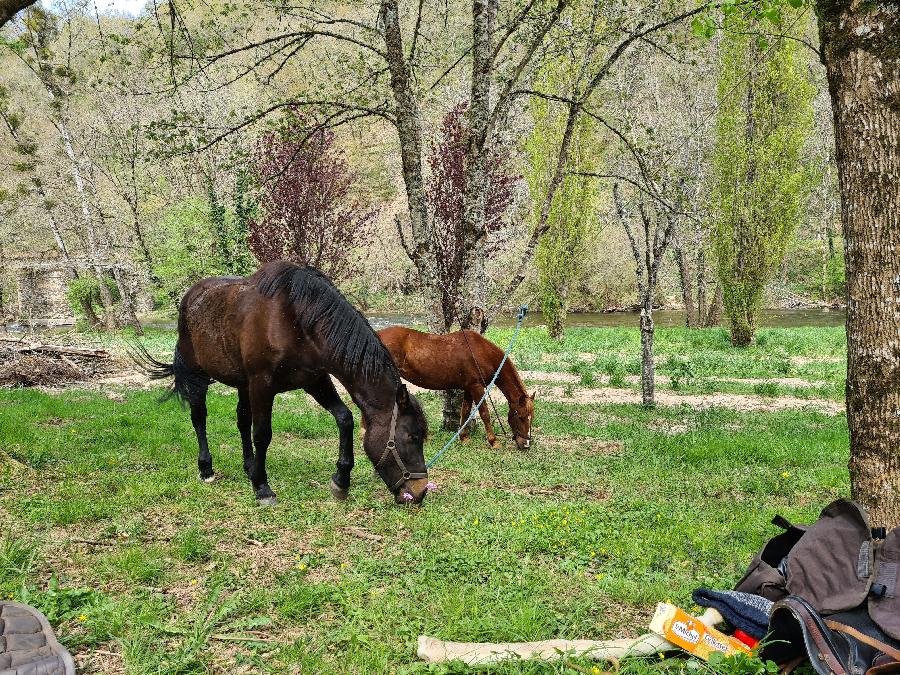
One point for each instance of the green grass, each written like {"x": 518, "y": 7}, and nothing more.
{"x": 614, "y": 508}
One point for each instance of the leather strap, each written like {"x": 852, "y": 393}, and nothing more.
{"x": 862, "y": 637}
{"x": 390, "y": 448}
{"x": 825, "y": 654}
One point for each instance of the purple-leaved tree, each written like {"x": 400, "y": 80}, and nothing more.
{"x": 308, "y": 214}
{"x": 445, "y": 195}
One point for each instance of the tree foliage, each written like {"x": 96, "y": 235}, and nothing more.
{"x": 560, "y": 255}
{"x": 308, "y": 214}
{"x": 761, "y": 182}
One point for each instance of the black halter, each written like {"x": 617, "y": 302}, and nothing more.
{"x": 391, "y": 448}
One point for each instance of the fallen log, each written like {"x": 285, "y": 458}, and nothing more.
{"x": 23, "y": 347}
{"x": 433, "y": 650}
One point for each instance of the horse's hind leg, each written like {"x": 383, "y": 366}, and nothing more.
{"x": 198, "y": 419}
{"x": 464, "y": 412}
{"x": 326, "y": 396}
{"x": 261, "y": 400}
{"x": 244, "y": 424}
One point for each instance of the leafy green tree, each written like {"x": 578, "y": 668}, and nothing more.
{"x": 761, "y": 184}
{"x": 187, "y": 249}
{"x": 230, "y": 229}
{"x": 561, "y": 252}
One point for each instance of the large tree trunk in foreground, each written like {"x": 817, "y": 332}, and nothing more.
{"x": 861, "y": 53}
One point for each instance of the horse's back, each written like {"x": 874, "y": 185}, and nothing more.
{"x": 440, "y": 361}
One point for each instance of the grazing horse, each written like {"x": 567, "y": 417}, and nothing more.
{"x": 462, "y": 360}
{"x": 283, "y": 328}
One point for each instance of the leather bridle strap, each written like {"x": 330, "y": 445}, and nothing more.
{"x": 390, "y": 448}
{"x": 862, "y": 637}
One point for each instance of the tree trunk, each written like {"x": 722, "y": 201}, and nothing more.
{"x": 714, "y": 313}
{"x": 647, "y": 365}
{"x": 473, "y": 286}
{"x": 409, "y": 131}
{"x": 126, "y": 293}
{"x": 687, "y": 287}
{"x": 109, "y": 314}
{"x": 862, "y": 61}
{"x": 702, "y": 309}
{"x": 452, "y": 409}
{"x": 557, "y": 318}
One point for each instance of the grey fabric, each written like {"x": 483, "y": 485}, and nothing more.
{"x": 862, "y": 563}
{"x": 28, "y": 645}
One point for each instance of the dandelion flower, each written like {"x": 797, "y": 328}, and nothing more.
{"x": 82, "y": 617}
{"x": 345, "y": 565}
{"x": 475, "y": 522}
{"x": 595, "y": 670}
{"x": 301, "y": 567}
{"x": 785, "y": 474}
{"x": 193, "y": 582}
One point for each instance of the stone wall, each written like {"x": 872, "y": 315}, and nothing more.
{"x": 42, "y": 297}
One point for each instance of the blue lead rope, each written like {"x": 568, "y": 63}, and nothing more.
{"x": 523, "y": 310}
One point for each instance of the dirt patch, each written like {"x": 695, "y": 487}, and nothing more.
{"x": 806, "y": 360}
{"x": 591, "y": 447}
{"x": 742, "y": 402}
{"x": 277, "y": 556}
{"x": 545, "y": 376}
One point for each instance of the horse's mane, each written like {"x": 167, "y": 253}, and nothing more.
{"x": 319, "y": 305}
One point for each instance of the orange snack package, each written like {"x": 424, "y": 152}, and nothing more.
{"x": 689, "y": 633}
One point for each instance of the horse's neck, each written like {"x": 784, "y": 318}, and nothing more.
{"x": 373, "y": 397}
{"x": 510, "y": 383}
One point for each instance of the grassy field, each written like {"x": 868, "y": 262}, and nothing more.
{"x": 144, "y": 569}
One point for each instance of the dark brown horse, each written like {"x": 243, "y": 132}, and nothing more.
{"x": 287, "y": 327}
{"x": 462, "y": 360}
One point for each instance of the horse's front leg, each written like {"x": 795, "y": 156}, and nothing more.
{"x": 486, "y": 418}
{"x": 245, "y": 425}
{"x": 261, "y": 399}
{"x": 326, "y": 395}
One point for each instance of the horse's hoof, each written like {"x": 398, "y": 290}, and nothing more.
{"x": 267, "y": 501}
{"x": 338, "y": 492}
{"x": 208, "y": 479}
{"x": 495, "y": 445}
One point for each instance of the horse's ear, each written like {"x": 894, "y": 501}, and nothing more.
{"x": 402, "y": 396}
{"x": 533, "y": 394}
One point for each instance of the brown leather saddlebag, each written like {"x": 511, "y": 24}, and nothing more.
{"x": 847, "y": 643}
{"x": 763, "y": 576}
{"x": 837, "y": 564}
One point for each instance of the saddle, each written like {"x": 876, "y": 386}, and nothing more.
{"x": 835, "y": 587}
{"x": 28, "y": 645}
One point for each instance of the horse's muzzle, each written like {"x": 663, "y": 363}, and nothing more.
{"x": 523, "y": 443}
{"x": 412, "y": 491}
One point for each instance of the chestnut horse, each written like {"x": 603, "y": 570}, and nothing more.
{"x": 287, "y": 327}
{"x": 462, "y": 360}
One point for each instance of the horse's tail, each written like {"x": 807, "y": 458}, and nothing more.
{"x": 187, "y": 386}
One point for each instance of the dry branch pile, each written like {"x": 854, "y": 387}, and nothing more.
{"x": 30, "y": 364}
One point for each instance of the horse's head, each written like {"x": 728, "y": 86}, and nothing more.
{"x": 521, "y": 415}
{"x": 394, "y": 444}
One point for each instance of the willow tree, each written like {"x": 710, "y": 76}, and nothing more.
{"x": 560, "y": 255}
{"x": 761, "y": 184}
